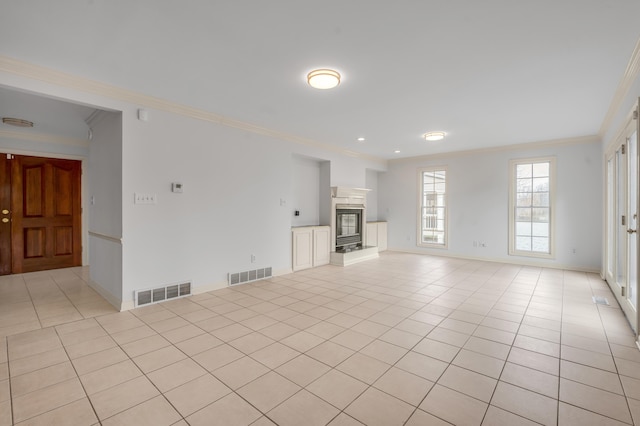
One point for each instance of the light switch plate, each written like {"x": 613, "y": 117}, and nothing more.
{"x": 176, "y": 187}
{"x": 145, "y": 198}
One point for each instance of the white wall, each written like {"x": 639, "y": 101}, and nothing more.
{"x": 105, "y": 175}
{"x": 234, "y": 181}
{"x": 32, "y": 147}
{"x": 371, "y": 182}
{"x": 237, "y": 201}
{"x": 305, "y": 197}
{"x": 104, "y": 171}
{"x": 478, "y": 204}
{"x": 325, "y": 193}
{"x": 229, "y": 210}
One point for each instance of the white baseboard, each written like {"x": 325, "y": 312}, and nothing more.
{"x": 518, "y": 261}
{"x": 114, "y": 301}
{"x": 130, "y": 304}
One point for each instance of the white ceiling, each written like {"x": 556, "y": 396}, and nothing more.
{"x": 489, "y": 73}
{"x": 49, "y": 116}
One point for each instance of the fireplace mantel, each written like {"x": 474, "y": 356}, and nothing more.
{"x": 344, "y": 192}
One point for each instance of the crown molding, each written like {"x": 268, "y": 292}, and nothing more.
{"x": 96, "y": 117}
{"x": 42, "y": 137}
{"x": 517, "y": 147}
{"x": 630, "y": 75}
{"x": 82, "y": 84}
{"x": 622, "y": 131}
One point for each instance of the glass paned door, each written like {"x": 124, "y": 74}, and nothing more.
{"x": 611, "y": 221}
{"x": 621, "y": 218}
{"x": 621, "y": 261}
{"x": 632, "y": 226}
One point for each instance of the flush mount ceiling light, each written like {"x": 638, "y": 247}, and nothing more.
{"x": 323, "y": 79}
{"x": 361, "y": 139}
{"x": 434, "y": 136}
{"x": 18, "y": 122}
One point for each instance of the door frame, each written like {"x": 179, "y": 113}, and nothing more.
{"x": 6, "y": 247}
{"x": 612, "y": 242}
{"x": 83, "y": 190}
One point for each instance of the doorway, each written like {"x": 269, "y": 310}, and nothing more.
{"x": 40, "y": 214}
{"x": 621, "y": 261}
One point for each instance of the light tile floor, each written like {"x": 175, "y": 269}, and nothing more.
{"x": 402, "y": 340}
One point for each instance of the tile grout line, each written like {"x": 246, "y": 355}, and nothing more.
{"x": 624, "y": 391}
{"x": 387, "y": 294}
{"x": 6, "y": 341}
{"x": 511, "y": 346}
{"x": 560, "y": 343}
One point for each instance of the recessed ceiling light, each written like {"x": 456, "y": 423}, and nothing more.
{"x": 397, "y": 151}
{"x": 434, "y": 136}
{"x": 323, "y": 79}
{"x": 361, "y": 139}
{"x": 18, "y": 122}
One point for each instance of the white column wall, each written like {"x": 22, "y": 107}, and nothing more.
{"x": 104, "y": 203}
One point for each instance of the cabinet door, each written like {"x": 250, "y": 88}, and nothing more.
{"x": 382, "y": 236}
{"x": 302, "y": 248}
{"x": 371, "y": 239}
{"x": 321, "y": 245}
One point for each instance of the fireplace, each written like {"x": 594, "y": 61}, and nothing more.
{"x": 348, "y": 228}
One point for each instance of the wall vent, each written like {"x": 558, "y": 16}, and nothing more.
{"x": 249, "y": 276}
{"x": 160, "y": 294}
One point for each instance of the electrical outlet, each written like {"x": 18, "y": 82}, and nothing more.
{"x": 140, "y": 198}
{"x": 253, "y": 258}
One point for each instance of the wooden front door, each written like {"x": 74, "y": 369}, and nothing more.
{"x": 45, "y": 214}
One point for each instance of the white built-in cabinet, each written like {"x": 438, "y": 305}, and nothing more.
{"x": 377, "y": 235}
{"x": 311, "y": 246}
{"x": 321, "y": 245}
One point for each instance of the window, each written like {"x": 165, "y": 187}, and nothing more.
{"x": 531, "y": 207}
{"x": 432, "y": 212}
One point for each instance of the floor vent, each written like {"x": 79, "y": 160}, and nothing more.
{"x": 160, "y": 294}
{"x": 249, "y": 276}
{"x": 599, "y": 300}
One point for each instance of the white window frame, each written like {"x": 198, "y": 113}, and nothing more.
{"x": 419, "y": 242}
{"x": 552, "y": 207}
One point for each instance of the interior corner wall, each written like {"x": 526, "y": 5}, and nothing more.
{"x": 105, "y": 206}
{"x": 478, "y": 200}
{"x": 325, "y": 193}
{"x": 305, "y": 197}
{"x": 371, "y": 182}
